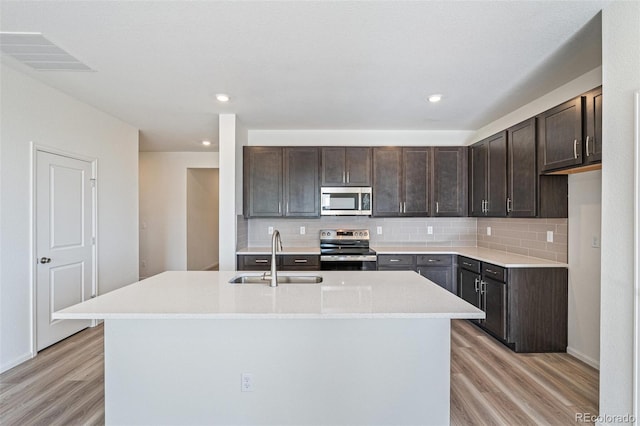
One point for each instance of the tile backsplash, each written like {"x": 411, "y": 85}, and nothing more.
{"x": 525, "y": 236}
{"x": 447, "y": 232}
{"x": 521, "y": 236}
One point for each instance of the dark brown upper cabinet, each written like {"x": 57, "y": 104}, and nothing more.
{"x": 262, "y": 170}
{"x": 593, "y": 126}
{"x": 301, "y": 189}
{"x": 349, "y": 166}
{"x": 522, "y": 179}
{"x": 401, "y": 184}
{"x": 488, "y": 176}
{"x": 281, "y": 182}
{"x": 387, "y": 182}
{"x": 449, "y": 181}
{"x": 560, "y": 136}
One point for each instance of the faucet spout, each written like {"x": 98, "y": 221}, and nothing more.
{"x": 276, "y": 242}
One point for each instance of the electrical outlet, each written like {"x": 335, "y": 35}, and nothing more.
{"x": 379, "y": 230}
{"x": 488, "y": 230}
{"x": 430, "y": 230}
{"x": 303, "y": 230}
{"x": 270, "y": 230}
{"x": 246, "y": 382}
{"x": 595, "y": 242}
{"x": 549, "y": 236}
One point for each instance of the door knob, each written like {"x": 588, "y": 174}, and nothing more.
{"x": 45, "y": 260}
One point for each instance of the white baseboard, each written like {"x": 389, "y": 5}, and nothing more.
{"x": 584, "y": 358}
{"x": 16, "y": 361}
{"x": 213, "y": 267}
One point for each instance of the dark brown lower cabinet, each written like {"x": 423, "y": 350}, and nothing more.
{"x": 286, "y": 262}
{"x": 438, "y": 268}
{"x": 526, "y": 308}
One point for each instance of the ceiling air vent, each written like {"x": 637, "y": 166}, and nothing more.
{"x": 35, "y": 50}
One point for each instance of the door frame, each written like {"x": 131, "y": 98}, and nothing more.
{"x": 35, "y": 148}
{"x": 636, "y": 266}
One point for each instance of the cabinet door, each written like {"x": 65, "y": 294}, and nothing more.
{"x": 495, "y": 307}
{"x": 333, "y": 166}
{"x": 415, "y": 182}
{"x": 496, "y": 205}
{"x": 522, "y": 179}
{"x": 593, "y": 138}
{"x": 263, "y": 181}
{"x": 478, "y": 178}
{"x": 449, "y": 181}
{"x": 301, "y": 192}
{"x": 560, "y": 136}
{"x": 443, "y": 276}
{"x": 358, "y": 166}
{"x": 387, "y": 174}
{"x": 468, "y": 286}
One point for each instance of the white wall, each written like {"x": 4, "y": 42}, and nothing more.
{"x": 163, "y": 208}
{"x": 621, "y": 78}
{"x": 359, "y": 137}
{"x": 230, "y": 189}
{"x": 585, "y": 207}
{"x": 34, "y": 112}
{"x": 202, "y": 219}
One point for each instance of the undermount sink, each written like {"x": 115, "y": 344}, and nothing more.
{"x": 282, "y": 279}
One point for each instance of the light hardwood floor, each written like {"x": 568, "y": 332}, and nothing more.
{"x": 490, "y": 385}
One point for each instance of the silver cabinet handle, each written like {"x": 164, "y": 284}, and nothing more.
{"x": 287, "y": 207}
{"x": 437, "y": 207}
{"x": 279, "y": 207}
{"x": 262, "y": 261}
{"x": 45, "y": 260}
{"x": 433, "y": 260}
{"x": 344, "y": 179}
{"x": 400, "y": 206}
{"x": 483, "y": 287}
{"x": 587, "y": 147}
{"x": 348, "y": 177}
{"x": 404, "y": 207}
{"x": 394, "y": 260}
{"x": 467, "y": 264}
{"x": 509, "y": 205}
{"x": 476, "y": 282}
{"x": 491, "y": 271}
{"x": 300, "y": 261}
{"x": 575, "y": 148}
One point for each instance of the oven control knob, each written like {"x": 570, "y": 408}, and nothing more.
{"x": 323, "y": 234}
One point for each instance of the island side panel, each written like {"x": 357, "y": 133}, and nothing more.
{"x": 304, "y": 372}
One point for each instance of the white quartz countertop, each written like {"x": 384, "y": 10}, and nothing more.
{"x": 285, "y": 250}
{"x": 500, "y": 258}
{"x": 341, "y": 295}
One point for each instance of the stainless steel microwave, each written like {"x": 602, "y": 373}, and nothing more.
{"x": 346, "y": 201}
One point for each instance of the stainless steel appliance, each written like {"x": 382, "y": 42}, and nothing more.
{"x": 349, "y": 201}
{"x": 346, "y": 250}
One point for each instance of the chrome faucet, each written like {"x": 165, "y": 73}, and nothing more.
{"x": 275, "y": 242}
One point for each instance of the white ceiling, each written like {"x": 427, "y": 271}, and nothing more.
{"x": 310, "y": 64}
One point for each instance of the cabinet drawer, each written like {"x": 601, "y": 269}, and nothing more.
{"x": 396, "y": 260}
{"x": 301, "y": 260}
{"x": 495, "y": 272}
{"x": 252, "y": 261}
{"x": 434, "y": 260}
{"x": 469, "y": 264}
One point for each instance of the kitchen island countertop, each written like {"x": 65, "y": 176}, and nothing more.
{"x": 341, "y": 295}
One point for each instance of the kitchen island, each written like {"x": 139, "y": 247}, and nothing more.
{"x": 360, "y": 348}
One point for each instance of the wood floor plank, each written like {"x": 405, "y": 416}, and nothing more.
{"x": 490, "y": 384}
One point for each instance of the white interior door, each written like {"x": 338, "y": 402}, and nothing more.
{"x": 64, "y": 238}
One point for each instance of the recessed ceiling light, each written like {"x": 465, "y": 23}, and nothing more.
{"x": 206, "y": 143}
{"x": 221, "y": 97}
{"x": 435, "y": 98}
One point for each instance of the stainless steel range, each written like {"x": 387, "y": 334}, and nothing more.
{"x": 346, "y": 250}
